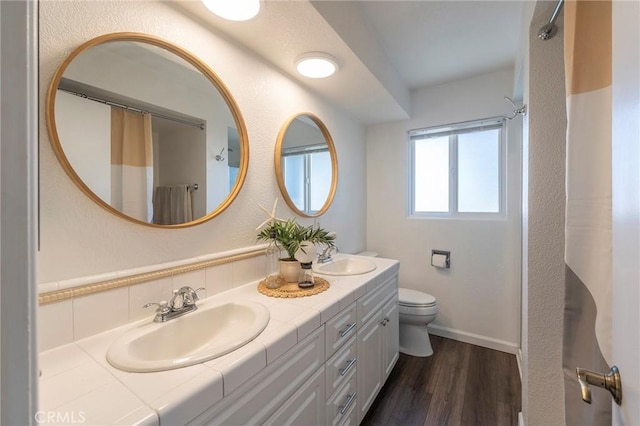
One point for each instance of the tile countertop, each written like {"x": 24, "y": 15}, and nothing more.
{"x": 78, "y": 385}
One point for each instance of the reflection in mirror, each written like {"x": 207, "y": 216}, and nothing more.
{"x": 306, "y": 165}
{"x": 147, "y": 130}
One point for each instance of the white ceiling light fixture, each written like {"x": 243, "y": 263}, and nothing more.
{"x": 316, "y": 64}
{"x": 234, "y": 10}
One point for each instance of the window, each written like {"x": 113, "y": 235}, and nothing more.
{"x": 457, "y": 170}
{"x": 307, "y": 176}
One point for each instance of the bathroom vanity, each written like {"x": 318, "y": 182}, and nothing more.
{"x": 321, "y": 360}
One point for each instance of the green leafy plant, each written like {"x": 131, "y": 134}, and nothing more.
{"x": 290, "y": 234}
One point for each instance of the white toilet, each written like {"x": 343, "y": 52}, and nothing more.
{"x": 417, "y": 310}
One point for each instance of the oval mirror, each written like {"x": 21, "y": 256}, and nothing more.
{"x": 306, "y": 165}
{"x": 147, "y": 130}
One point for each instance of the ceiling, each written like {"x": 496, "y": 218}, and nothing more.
{"x": 384, "y": 49}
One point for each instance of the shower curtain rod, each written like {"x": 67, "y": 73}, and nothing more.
{"x": 550, "y": 29}
{"x": 197, "y": 124}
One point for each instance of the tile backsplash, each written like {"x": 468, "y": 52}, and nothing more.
{"x": 79, "y": 317}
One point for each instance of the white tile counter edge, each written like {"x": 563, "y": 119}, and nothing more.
{"x": 76, "y": 377}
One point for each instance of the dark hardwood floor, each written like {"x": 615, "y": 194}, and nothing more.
{"x": 461, "y": 384}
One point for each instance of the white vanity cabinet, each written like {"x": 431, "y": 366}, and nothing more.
{"x": 377, "y": 343}
{"x": 329, "y": 378}
{"x": 322, "y": 361}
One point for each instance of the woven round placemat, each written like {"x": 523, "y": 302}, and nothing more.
{"x": 292, "y": 290}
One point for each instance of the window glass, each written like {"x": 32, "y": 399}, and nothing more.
{"x": 294, "y": 178}
{"x": 479, "y": 172}
{"x": 457, "y": 169}
{"x": 321, "y": 169}
{"x": 233, "y": 175}
{"x": 431, "y": 175}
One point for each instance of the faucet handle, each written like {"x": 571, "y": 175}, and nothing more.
{"x": 195, "y": 293}
{"x": 189, "y": 295}
{"x": 163, "y": 306}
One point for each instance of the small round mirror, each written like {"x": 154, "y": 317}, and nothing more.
{"x": 147, "y": 130}
{"x": 306, "y": 165}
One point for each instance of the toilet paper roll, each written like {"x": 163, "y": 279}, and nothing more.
{"x": 439, "y": 260}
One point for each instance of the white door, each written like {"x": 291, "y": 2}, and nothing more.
{"x": 626, "y": 207}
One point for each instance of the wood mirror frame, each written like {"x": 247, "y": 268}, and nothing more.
{"x": 196, "y": 63}
{"x": 279, "y": 164}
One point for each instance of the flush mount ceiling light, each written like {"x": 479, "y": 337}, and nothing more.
{"x": 316, "y": 64}
{"x": 234, "y": 10}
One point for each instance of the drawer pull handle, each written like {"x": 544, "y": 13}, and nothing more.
{"x": 347, "y": 330}
{"x": 350, "y": 399}
{"x": 347, "y": 367}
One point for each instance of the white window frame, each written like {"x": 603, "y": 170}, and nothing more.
{"x": 453, "y": 130}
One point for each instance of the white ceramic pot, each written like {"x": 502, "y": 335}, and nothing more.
{"x": 290, "y": 270}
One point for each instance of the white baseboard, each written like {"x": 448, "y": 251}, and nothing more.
{"x": 474, "y": 339}
{"x": 520, "y": 419}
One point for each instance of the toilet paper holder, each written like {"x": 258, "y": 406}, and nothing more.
{"x": 438, "y": 256}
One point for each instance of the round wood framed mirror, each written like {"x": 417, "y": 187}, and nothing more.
{"x": 306, "y": 165}
{"x": 147, "y": 130}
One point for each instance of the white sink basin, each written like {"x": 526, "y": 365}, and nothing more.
{"x": 199, "y": 336}
{"x": 345, "y": 266}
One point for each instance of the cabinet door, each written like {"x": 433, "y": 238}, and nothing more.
{"x": 369, "y": 369}
{"x": 305, "y": 407}
{"x": 390, "y": 336}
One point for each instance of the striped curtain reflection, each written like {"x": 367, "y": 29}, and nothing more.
{"x": 131, "y": 164}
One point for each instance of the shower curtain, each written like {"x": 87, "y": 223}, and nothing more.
{"x": 172, "y": 205}
{"x": 131, "y": 164}
{"x": 588, "y": 245}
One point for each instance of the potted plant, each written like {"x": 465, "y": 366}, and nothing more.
{"x": 291, "y": 237}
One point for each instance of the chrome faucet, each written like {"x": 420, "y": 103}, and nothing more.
{"x": 325, "y": 256}
{"x": 183, "y": 301}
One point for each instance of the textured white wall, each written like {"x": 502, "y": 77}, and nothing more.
{"x": 543, "y": 302}
{"x": 479, "y": 296}
{"x": 79, "y": 238}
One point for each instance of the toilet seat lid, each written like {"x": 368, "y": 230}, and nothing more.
{"x": 408, "y": 297}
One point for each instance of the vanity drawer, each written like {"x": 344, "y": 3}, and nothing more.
{"x": 341, "y": 406}
{"x": 340, "y": 329}
{"x": 340, "y": 366}
{"x": 350, "y": 418}
{"x": 371, "y": 304}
